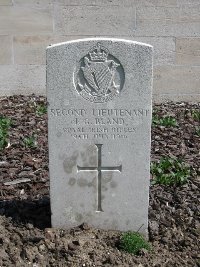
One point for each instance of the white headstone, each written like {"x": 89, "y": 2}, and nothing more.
{"x": 99, "y": 121}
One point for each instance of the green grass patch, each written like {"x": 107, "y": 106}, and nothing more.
{"x": 170, "y": 171}
{"x": 167, "y": 121}
{"x": 133, "y": 242}
{"x": 195, "y": 114}
{"x": 197, "y": 131}
{"x": 5, "y": 124}
{"x": 30, "y": 141}
{"x": 41, "y": 110}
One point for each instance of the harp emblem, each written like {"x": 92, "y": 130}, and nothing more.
{"x": 100, "y": 76}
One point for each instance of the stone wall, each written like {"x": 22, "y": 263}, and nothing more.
{"x": 171, "y": 26}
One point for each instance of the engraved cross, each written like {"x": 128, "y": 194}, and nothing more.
{"x": 99, "y": 169}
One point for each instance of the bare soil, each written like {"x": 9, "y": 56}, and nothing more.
{"x": 26, "y": 236}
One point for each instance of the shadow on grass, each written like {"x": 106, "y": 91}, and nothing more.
{"x": 36, "y": 212}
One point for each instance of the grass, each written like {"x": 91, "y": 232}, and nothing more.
{"x": 133, "y": 242}
{"x": 5, "y": 124}
{"x": 30, "y": 141}
{"x": 167, "y": 121}
{"x": 41, "y": 109}
{"x": 170, "y": 171}
{"x": 195, "y": 114}
{"x": 197, "y": 131}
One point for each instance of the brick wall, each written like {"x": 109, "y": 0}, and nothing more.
{"x": 171, "y": 26}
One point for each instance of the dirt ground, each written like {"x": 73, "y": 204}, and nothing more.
{"x": 26, "y": 238}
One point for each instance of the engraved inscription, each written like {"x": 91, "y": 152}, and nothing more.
{"x": 99, "y": 76}
{"x": 99, "y": 169}
{"x": 101, "y": 124}
{"x": 100, "y": 112}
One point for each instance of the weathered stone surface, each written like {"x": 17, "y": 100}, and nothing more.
{"x": 163, "y": 47}
{"x": 99, "y": 133}
{"x": 32, "y": 49}
{"x": 5, "y": 49}
{"x": 156, "y": 3}
{"x": 17, "y": 19}
{"x": 95, "y": 2}
{"x": 22, "y": 79}
{"x": 176, "y": 80}
{"x": 6, "y": 3}
{"x": 33, "y": 3}
{"x": 160, "y": 98}
{"x": 188, "y": 2}
{"x": 94, "y": 20}
{"x": 188, "y": 51}
{"x": 168, "y": 21}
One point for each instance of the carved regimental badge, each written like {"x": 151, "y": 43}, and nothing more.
{"x": 99, "y": 76}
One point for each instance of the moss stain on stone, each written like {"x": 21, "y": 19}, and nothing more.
{"x": 70, "y": 162}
